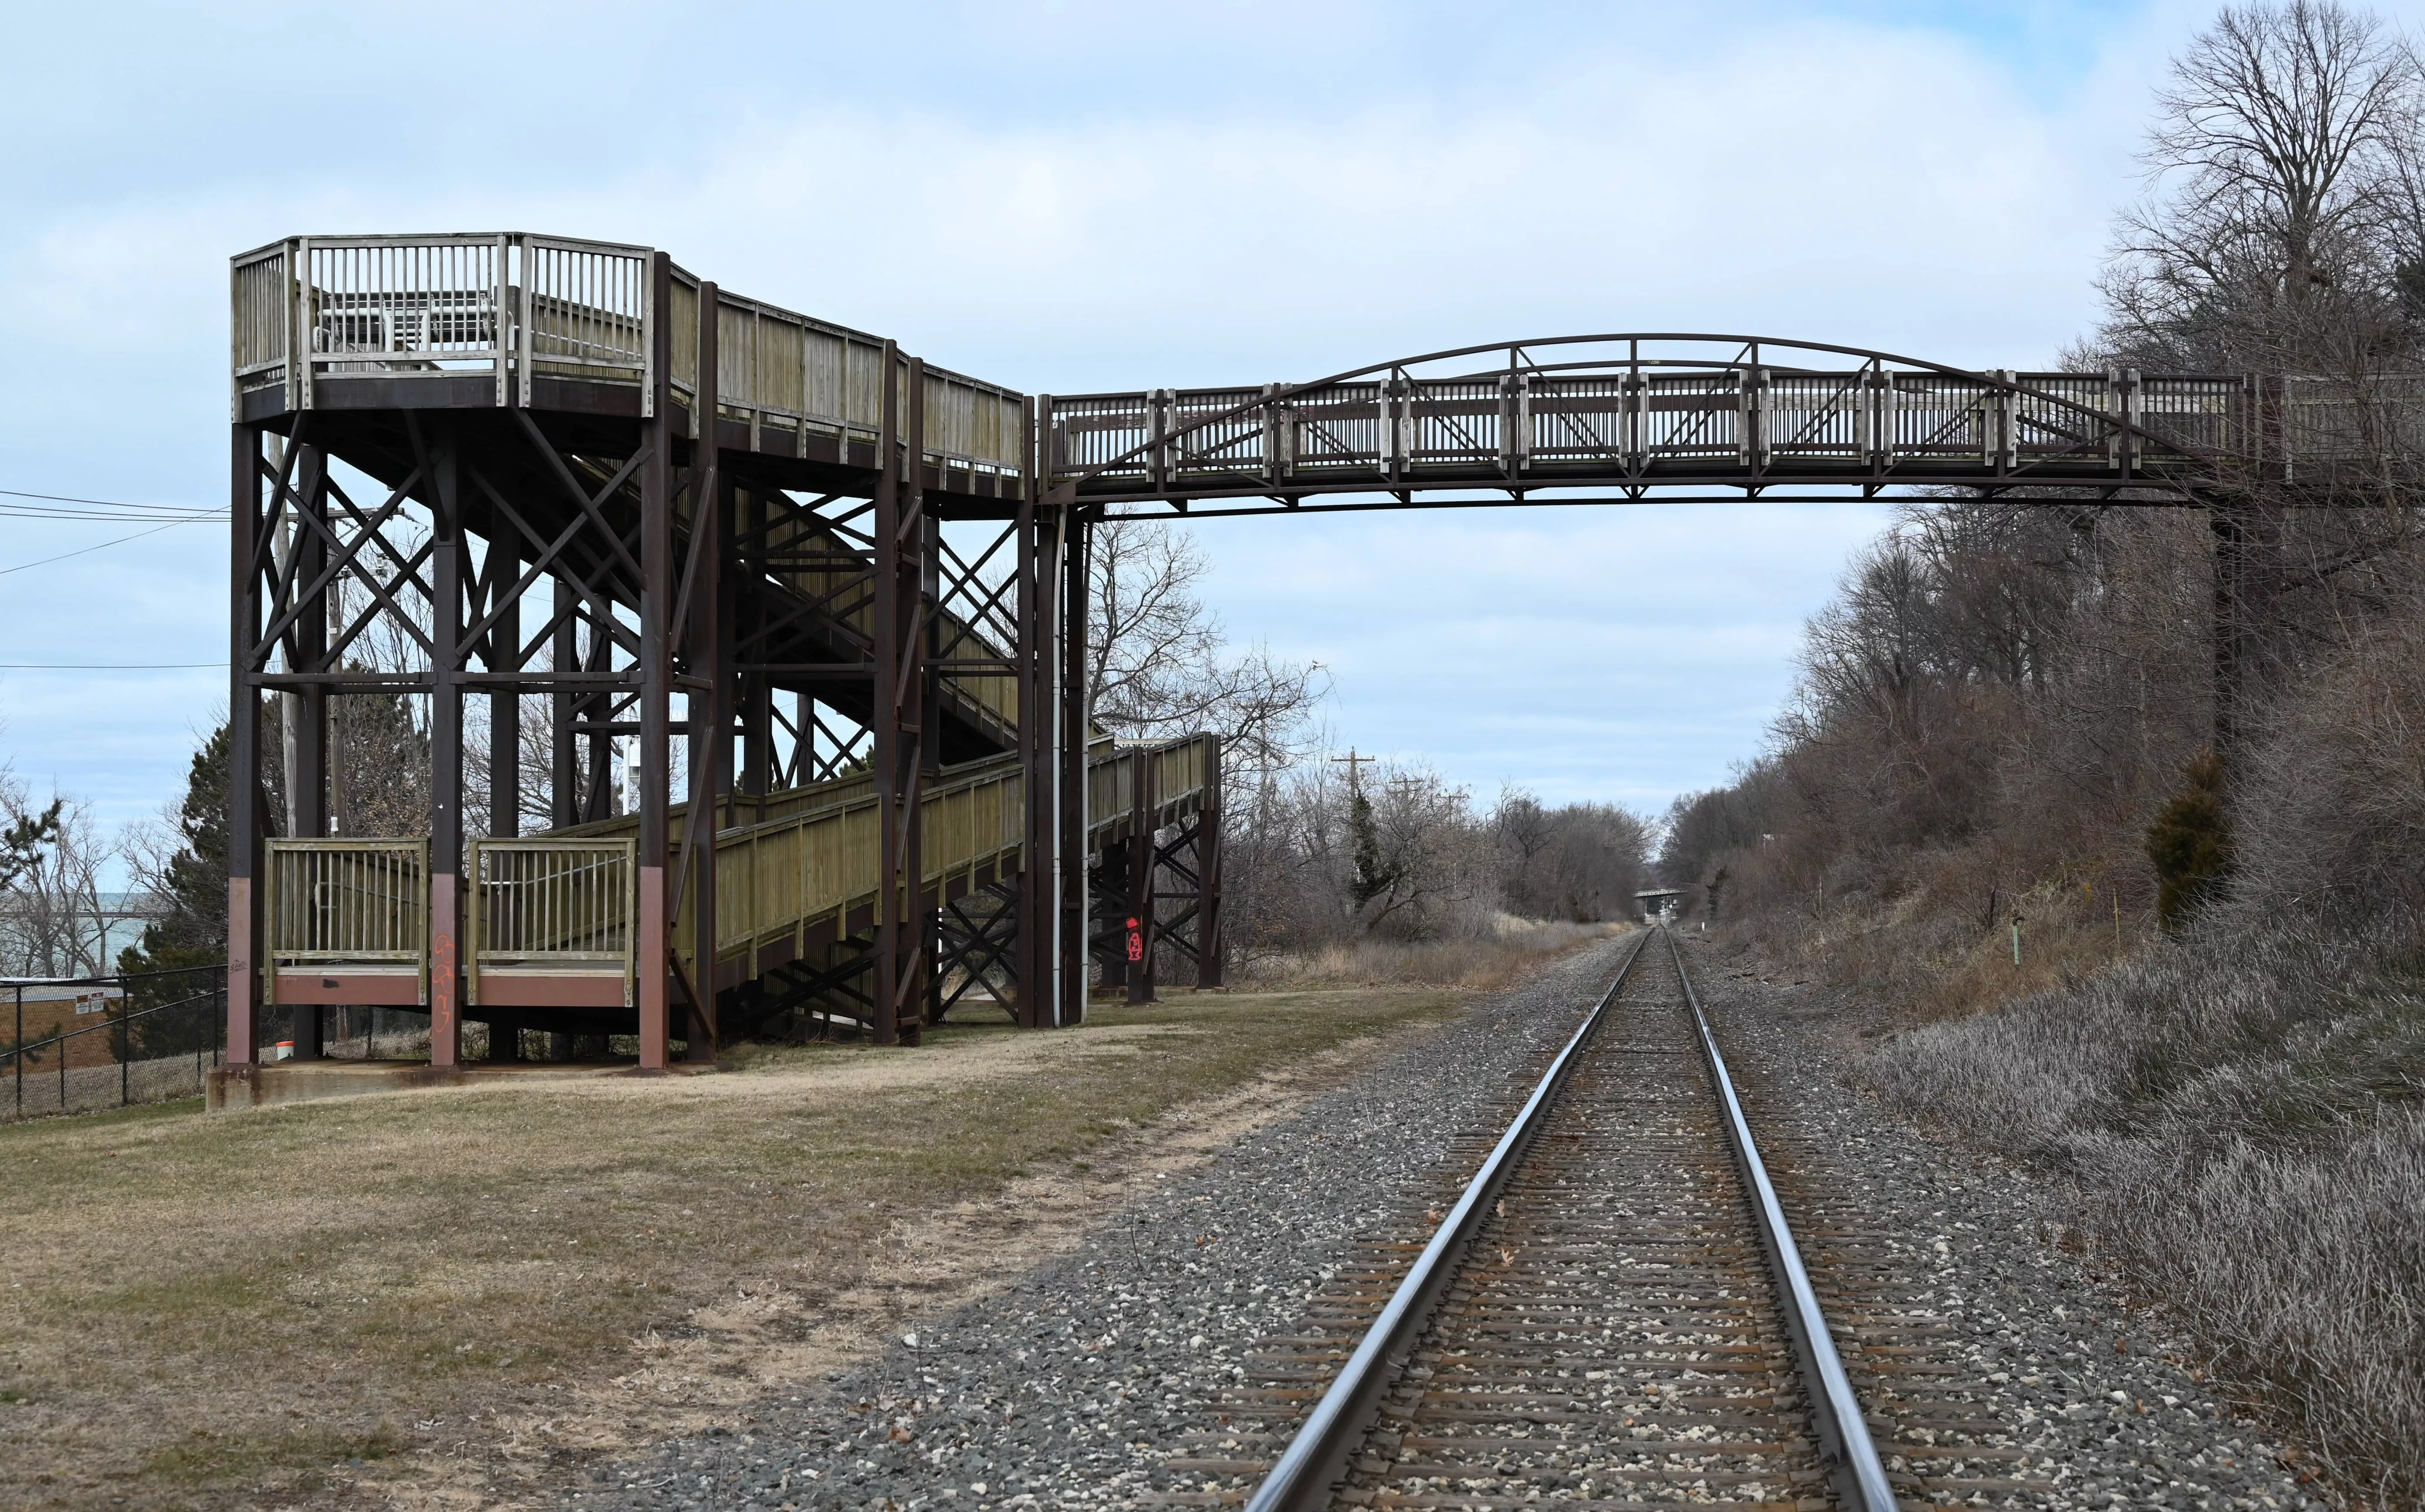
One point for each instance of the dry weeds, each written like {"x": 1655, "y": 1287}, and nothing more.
{"x": 1514, "y": 948}
{"x": 2242, "y": 1114}
{"x": 451, "y": 1298}
{"x": 1924, "y": 962}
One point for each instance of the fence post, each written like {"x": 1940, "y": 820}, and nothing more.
{"x": 125, "y": 1048}
{"x": 20, "y": 1051}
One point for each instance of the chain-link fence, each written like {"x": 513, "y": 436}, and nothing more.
{"x": 79, "y": 1043}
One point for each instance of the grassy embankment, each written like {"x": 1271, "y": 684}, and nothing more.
{"x": 2244, "y": 1113}
{"x": 2240, "y": 1114}
{"x": 1924, "y": 959}
{"x": 453, "y": 1296}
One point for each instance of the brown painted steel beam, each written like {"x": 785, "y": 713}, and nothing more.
{"x": 704, "y": 650}
{"x": 442, "y": 447}
{"x": 652, "y": 948}
{"x": 244, "y": 746}
{"x": 1070, "y": 710}
{"x": 900, "y": 704}
{"x": 1033, "y": 582}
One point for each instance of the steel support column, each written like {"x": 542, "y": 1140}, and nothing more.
{"x": 655, "y": 965}
{"x": 745, "y": 613}
{"x": 1038, "y": 908}
{"x": 445, "y": 743}
{"x": 564, "y": 751}
{"x": 903, "y": 922}
{"x": 504, "y": 645}
{"x": 1073, "y": 810}
{"x": 707, "y": 688}
{"x": 248, "y": 541}
{"x": 1139, "y": 940}
{"x": 1209, "y": 943}
{"x": 307, "y": 783}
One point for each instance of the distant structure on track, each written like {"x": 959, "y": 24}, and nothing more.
{"x": 624, "y": 506}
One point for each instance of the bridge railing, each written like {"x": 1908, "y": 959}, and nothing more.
{"x": 792, "y": 375}
{"x": 787, "y": 875}
{"x": 1177, "y": 771}
{"x": 516, "y": 307}
{"x": 508, "y": 306}
{"x": 1724, "y": 417}
{"x": 734, "y": 810}
{"x": 2335, "y": 419}
{"x": 1182, "y": 769}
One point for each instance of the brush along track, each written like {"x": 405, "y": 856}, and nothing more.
{"x": 1612, "y": 1330}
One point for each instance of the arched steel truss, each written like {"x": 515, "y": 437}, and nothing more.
{"x": 1635, "y": 416}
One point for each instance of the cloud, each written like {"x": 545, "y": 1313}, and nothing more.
{"x": 1081, "y": 196}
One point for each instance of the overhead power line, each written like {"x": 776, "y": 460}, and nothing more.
{"x": 47, "y": 506}
{"x": 107, "y": 667}
{"x": 62, "y": 557}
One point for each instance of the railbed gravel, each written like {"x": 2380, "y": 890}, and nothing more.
{"x": 1070, "y": 1388}
{"x": 2098, "y": 1394}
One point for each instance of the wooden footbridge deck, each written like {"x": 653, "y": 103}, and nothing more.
{"x": 763, "y": 566}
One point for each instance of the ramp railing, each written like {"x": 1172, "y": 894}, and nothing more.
{"x": 544, "y": 910}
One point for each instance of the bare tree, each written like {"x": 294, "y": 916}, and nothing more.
{"x": 1524, "y": 830}
{"x": 1150, "y": 642}
{"x": 1427, "y": 855}
{"x": 2284, "y": 235}
{"x": 52, "y": 922}
{"x": 2278, "y": 159}
{"x": 1157, "y": 664}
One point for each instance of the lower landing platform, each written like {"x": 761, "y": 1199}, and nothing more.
{"x": 268, "y": 1085}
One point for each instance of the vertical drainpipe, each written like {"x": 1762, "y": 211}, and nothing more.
{"x": 1076, "y": 785}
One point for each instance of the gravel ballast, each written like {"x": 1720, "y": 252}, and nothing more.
{"x": 1072, "y": 1387}
{"x": 2094, "y": 1392}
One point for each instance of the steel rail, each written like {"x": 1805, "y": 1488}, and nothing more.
{"x": 1316, "y": 1459}
{"x": 1853, "y": 1465}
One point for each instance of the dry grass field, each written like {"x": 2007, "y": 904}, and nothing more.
{"x": 452, "y": 1298}
{"x": 1508, "y": 954}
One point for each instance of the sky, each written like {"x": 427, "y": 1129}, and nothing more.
{"x": 1075, "y": 196}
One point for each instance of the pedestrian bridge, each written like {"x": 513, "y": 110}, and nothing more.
{"x": 852, "y": 584}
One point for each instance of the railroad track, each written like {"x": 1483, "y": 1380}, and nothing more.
{"x": 1612, "y": 1311}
